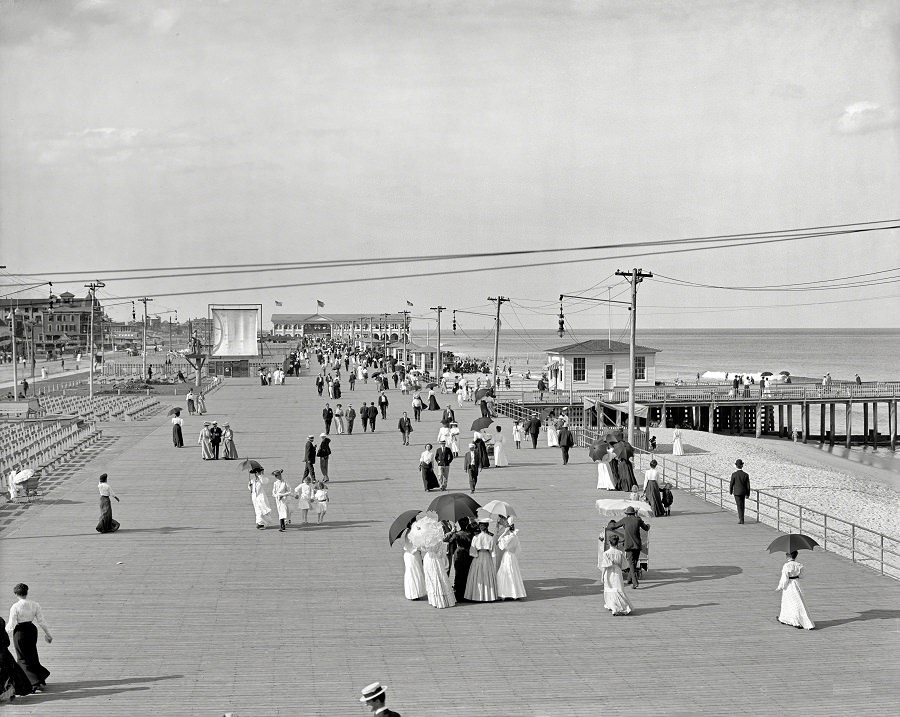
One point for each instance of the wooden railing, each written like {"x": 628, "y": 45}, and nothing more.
{"x": 865, "y": 546}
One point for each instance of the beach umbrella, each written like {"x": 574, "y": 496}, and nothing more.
{"x": 401, "y": 523}
{"x": 481, "y": 393}
{"x": 173, "y": 412}
{"x": 597, "y": 451}
{"x": 767, "y": 373}
{"x": 791, "y": 542}
{"x": 498, "y": 507}
{"x": 623, "y": 450}
{"x": 784, "y": 373}
{"x": 23, "y": 476}
{"x": 248, "y": 464}
{"x": 453, "y": 506}
{"x": 479, "y": 424}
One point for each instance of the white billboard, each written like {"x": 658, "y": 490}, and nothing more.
{"x": 235, "y": 331}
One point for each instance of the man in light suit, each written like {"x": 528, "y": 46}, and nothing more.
{"x": 472, "y": 466}
{"x": 739, "y": 488}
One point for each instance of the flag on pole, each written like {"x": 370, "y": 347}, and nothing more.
{"x": 278, "y": 303}
{"x": 409, "y": 303}
{"x": 321, "y": 304}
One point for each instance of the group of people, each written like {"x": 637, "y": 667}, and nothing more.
{"x": 312, "y": 495}
{"x": 214, "y": 439}
{"x": 484, "y": 565}
{"x": 434, "y": 463}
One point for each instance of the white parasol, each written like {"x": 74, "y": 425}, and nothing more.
{"x": 610, "y": 508}
{"x": 23, "y": 476}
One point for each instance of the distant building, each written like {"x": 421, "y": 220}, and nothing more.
{"x": 599, "y": 365}
{"x": 358, "y": 327}
{"x": 66, "y": 325}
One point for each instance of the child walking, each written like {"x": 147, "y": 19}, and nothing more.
{"x": 518, "y": 433}
{"x": 321, "y": 497}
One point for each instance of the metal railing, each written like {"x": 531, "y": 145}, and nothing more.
{"x": 862, "y": 545}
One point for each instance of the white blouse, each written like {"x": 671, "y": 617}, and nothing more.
{"x": 177, "y": 421}
{"x": 651, "y": 474}
{"x": 26, "y": 611}
{"x": 105, "y": 490}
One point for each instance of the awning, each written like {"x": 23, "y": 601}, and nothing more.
{"x": 640, "y": 410}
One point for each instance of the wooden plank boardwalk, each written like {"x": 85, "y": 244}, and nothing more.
{"x": 189, "y": 610}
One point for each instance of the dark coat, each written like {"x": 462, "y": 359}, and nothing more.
{"x": 309, "y": 452}
{"x": 533, "y": 427}
{"x": 327, "y": 415}
{"x": 405, "y": 425}
{"x": 566, "y": 440}
{"x": 373, "y": 413}
{"x": 472, "y": 461}
{"x": 351, "y": 414}
{"x": 324, "y": 448}
{"x": 448, "y": 415}
{"x": 215, "y": 435}
{"x": 383, "y": 401}
{"x": 443, "y": 456}
{"x": 632, "y": 525}
{"x": 740, "y": 483}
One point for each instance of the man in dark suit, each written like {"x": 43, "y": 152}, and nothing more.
{"x": 472, "y": 466}
{"x": 328, "y": 417}
{"x": 324, "y": 453}
{"x": 566, "y": 441}
{"x": 215, "y": 439}
{"x": 320, "y": 383}
{"x": 364, "y": 415}
{"x": 448, "y": 416}
{"x": 443, "y": 457}
{"x": 351, "y": 417}
{"x": 533, "y": 429}
{"x": 373, "y": 415}
{"x": 405, "y": 427}
{"x": 373, "y": 697}
{"x": 309, "y": 458}
{"x": 383, "y": 405}
{"x": 739, "y": 488}
{"x": 632, "y": 526}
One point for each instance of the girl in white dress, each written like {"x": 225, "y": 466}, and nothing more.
{"x": 518, "y": 433}
{"x": 611, "y": 563}
{"x": 261, "y": 506}
{"x": 552, "y": 433}
{"x": 501, "y": 460}
{"x": 305, "y": 492}
{"x": 321, "y": 498}
{"x": 793, "y": 606}
{"x": 605, "y": 478}
{"x": 509, "y": 577}
{"x": 414, "y": 572}
{"x": 454, "y": 438}
{"x": 481, "y": 585}
{"x": 677, "y": 447}
{"x": 281, "y": 492}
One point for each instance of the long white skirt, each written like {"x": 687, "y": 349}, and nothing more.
{"x": 500, "y": 457}
{"x": 605, "y": 480}
{"x": 793, "y": 608}
{"x": 509, "y": 578}
{"x": 413, "y": 576}
{"x": 677, "y": 447}
{"x": 437, "y": 584}
{"x": 552, "y": 437}
{"x": 481, "y": 583}
{"x": 284, "y": 509}
{"x": 263, "y": 509}
{"x": 614, "y": 598}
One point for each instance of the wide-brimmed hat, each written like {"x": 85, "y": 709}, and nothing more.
{"x": 310, "y": 437}
{"x": 277, "y": 471}
{"x": 630, "y": 510}
{"x": 370, "y": 692}
{"x": 322, "y": 435}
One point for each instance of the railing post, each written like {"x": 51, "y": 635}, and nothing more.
{"x": 800, "y": 529}
{"x": 777, "y": 512}
{"x": 757, "y": 506}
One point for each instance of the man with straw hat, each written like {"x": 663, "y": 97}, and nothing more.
{"x": 374, "y": 697}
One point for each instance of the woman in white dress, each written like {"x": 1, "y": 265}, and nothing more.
{"x": 437, "y": 584}
{"x": 261, "y": 506}
{"x": 444, "y": 432}
{"x": 501, "y": 460}
{"x": 509, "y": 577}
{"x": 793, "y": 606}
{"x": 281, "y": 492}
{"x": 414, "y": 572}
{"x": 605, "y": 478}
{"x": 611, "y": 563}
{"x": 454, "y": 438}
{"x": 552, "y": 433}
{"x": 304, "y": 493}
{"x": 677, "y": 447}
{"x": 518, "y": 433}
{"x": 339, "y": 418}
{"x": 481, "y": 585}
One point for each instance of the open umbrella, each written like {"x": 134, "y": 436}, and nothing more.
{"x": 453, "y": 506}
{"x": 401, "y": 523}
{"x": 545, "y": 414}
{"x": 23, "y": 476}
{"x": 615, "y": 508}
{"x": 767, "y": 373}
{"x": 791, "y": 542}
{"x": 784, "y": 373}
{"x": 248, "y": 464}
{"x": 479, "y": 424}
{"x": 431, "y": 385}
{"x": 623, "y": 450}
{"x": 610, "y": 438}
{"x": 173, "y": 412}
{"x": 375, "y": 372}
{"x": 481, "y": 393}
{"x": 597, "y": 451}
{"x": 498, "y": 507}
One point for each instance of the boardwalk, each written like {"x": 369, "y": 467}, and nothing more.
{"x": 188, "y": 610}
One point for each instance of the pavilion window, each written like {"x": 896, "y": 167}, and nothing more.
{"x": 640, "y": 368}
{"x": 579, "y": 368}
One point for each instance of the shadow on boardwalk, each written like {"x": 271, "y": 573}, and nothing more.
{"x": 658, "y": 578}
{"x": 88, "y": 688}
{"x": 860, "y": 617}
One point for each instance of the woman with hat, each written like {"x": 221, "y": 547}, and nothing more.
{"x": 793, "y": 606}
{"x": 509, "y": 577}
{"x": 611, "y": 564}
{"x": 177, "y": 435}
{"x": 189, "y": 399}
{"x": 481, "y": 583}
{"x": 651, "y": 490}
{"x": 413, "y": 573}
{"x": 228, "y": 447}
{"x": 205, "y": 442}
{"x": 281, "y": 491}
{"x": 261, "y": 506}
{"x": 106, "y": 524}
{"x": 426, "y": 468}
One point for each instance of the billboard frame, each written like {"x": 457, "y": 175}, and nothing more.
{"x": 209, "y": 338}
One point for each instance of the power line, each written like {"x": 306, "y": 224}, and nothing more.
{"x": 796, "y": 286}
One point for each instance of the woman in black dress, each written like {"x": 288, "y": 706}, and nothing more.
{"x": 426, "y": 467}
{"x": 22, "y": 618}
{"x": 106, "y": 524}
{"x": 13, "y": 680}
{"x": 177, "y": 436}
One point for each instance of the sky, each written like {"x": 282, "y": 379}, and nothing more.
{"x": 153, "y": 135}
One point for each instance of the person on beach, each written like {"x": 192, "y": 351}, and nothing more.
{"x": 413, "y": 570}
{"x": 261, "y": 507}
{"x": 454, "y": 438}
{"x": 229, "y": 450}
{"x": 444, "y": 432}
{"x": 552, "y": 432}
{"x": 501, "y": 459}
{"x": 321, "y": 498}
{"x": 23, "y": 616}
{"x": 309, "y": 457}
{"x": 417, "y": 406}
{"x": 517, "y": 433}
{"x": 383, "y": 404}
{"x": 177, "y": 434}
{"x": 327, "y": 417}
{"x": 281, "y": 491}
{"x": 426, "y": 468}
{"x": 739, "y": 488}
{"x": 633, "y": 525}
{"x": 432, "y": 401}
{"x": 373, "y": 415}
{"x": 472, "y": 465}
{"x": 106, "y": 524}
{"x": 205, "y": 442}
{"x": 189, "y": 399}
{"x": 201, "y": 403}
{"x": 509, "y": 577}
{"x": 404, "y": 425}
{"x": 611, "y": 563}
{"x": 606, "y": 477}
{"x": 484, "y": 460}
{"x": 324, "y": 453}
{"x": 651, "y": 490}
{"x": 481, "y": 582}
{"x": 305, "y": 492}
{"x": 459, "y": 543}
{"x": 793, "y": 606}
{"x": 677, "y": 446}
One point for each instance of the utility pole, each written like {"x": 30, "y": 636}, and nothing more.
{"x": 15, "y": 360}
{"x": 406, "y": 313}
{"x": 440, "y": 358}
{"x": 93, "y": 286}
{"x": 144, "y": 301}
{"x": 384, "y": 333}
{"x": 499, "y": 300}
{"x": 634, "y": 277}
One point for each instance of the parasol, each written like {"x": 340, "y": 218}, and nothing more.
{"x": 623, "y": 450}
{"x": 453, "y": 506}
{"x": 173, "y": 412}
{"x": 479, "y": 424}
{"x": 431, "y": 385}
{"x": 23, "y": 476}
{"x": 791, "y": 542}
{"x": 498, "y": 507}
{"x": 481, "y": 393}
{"x": 597, "y": 451}
{"x": 610, "y": 438}
{"x": 767, "y": 373}
{"x": 784, "y": 373}
{"x": 610, "y": 508}
{"x": 401, "y": 523}
{"x": 248, "y": 464}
